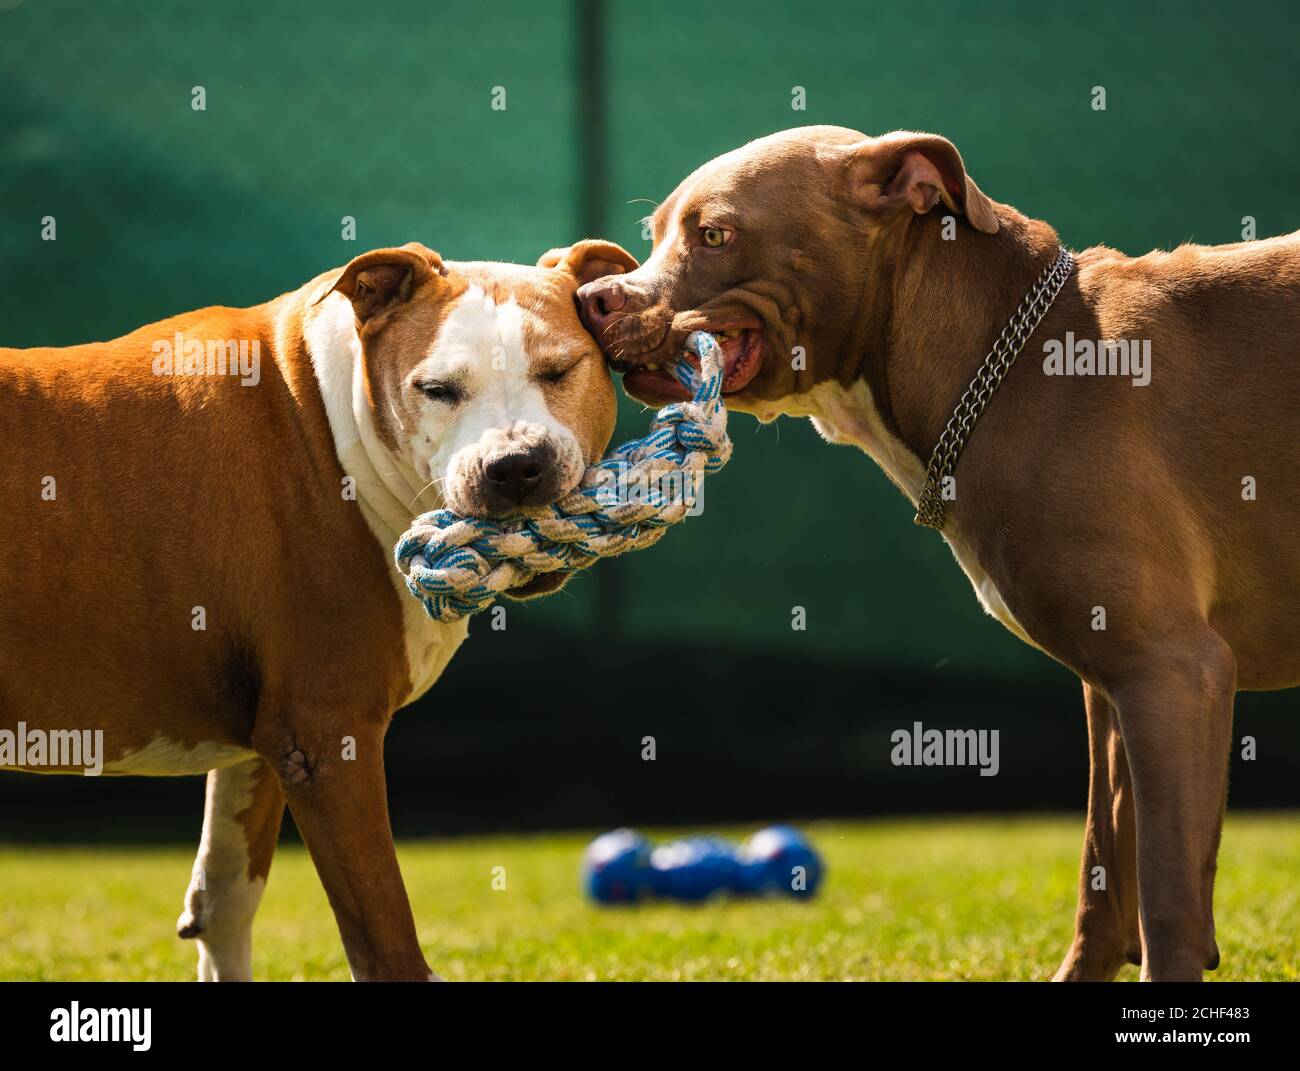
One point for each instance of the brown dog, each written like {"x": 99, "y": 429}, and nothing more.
{"x": 196, "y": 546}
{"x": 1141, "y": 533}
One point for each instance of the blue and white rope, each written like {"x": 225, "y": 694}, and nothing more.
{"x": 458, "y": 565}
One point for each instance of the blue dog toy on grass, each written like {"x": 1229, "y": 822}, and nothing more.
{"x": 624, "y": 866}
{"x": 458, "y": 565}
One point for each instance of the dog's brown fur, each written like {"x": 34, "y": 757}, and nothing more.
{"x": 174, "y": 492}
{"x": 1072, "y": 493}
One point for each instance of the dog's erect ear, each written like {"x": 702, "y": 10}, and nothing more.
{"x": 590, "y": 259}
{"x": 904, "y": 169}
{"x": 379, "y": 281}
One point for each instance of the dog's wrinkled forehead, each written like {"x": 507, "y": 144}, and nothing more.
{"x": 532, "y": 305}
{"x": 775, "y": 171}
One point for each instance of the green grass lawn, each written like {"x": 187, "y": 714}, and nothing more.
{"x": 926, "y": 899}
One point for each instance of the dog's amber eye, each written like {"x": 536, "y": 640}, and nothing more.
{"x": 714, "y": 236}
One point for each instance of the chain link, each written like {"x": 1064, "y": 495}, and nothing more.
{"x": 947, "y": 451}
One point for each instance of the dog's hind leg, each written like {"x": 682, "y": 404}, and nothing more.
{"x": 1106, "y": 926}
{"x": 241, "y": 824}
{"x": 1176, "y": 717}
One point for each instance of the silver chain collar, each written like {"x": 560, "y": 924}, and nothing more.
{"x": 947, "y": 451}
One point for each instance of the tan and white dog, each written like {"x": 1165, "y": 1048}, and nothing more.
{"x": 859, "y": 281}
{"x": 196, "y": 546}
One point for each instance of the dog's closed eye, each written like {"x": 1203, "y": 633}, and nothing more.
{"x": 557, "y": 374}
{"x": 440, "y": 390}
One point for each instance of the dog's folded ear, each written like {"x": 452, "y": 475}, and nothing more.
{"x": 379, "y": 281}
{"x": 908, "y": 170}
{"x": 590, "y": 259}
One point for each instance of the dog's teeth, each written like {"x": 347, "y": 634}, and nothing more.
{"x": 652, "y": 367}
{"x": 733, "y": 333}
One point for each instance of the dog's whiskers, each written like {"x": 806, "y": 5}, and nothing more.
{"x": 435, "y": 480}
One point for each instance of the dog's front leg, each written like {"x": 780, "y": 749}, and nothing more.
{"x": 1176, "y": 717}
{"x": 241, "y": 824}
{"x": 1106, "y": 926}
{"x": 331, "y": 769}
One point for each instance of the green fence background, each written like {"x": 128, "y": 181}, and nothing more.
{"x": 319, "y": 110}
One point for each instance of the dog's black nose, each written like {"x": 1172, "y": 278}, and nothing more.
{"x": 516, "y": 476}
{"x": 600, "y": 302}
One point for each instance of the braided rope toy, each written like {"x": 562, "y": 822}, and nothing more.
{"x": 458, "y": 565}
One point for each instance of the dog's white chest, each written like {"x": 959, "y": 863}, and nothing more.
{"x": 429, "y": 644}
{"x": 849, "y": 415}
